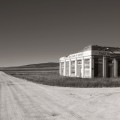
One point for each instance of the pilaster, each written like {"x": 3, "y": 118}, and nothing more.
{"x": 104, "y": 67}
{"x": 115, "y": 67}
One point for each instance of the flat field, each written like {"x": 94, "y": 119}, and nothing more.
{"x": 24, "y": 100}
{"x": 52, "y": 77}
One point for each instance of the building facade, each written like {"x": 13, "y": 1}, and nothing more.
{"x": 92, "y": 61}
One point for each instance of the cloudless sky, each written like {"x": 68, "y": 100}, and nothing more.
{"x": 37, "y": 31}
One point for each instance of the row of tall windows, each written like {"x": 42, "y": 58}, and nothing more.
{"x": 79, "y": 69}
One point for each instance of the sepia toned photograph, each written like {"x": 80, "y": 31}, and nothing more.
{"x": 60, "y": 60}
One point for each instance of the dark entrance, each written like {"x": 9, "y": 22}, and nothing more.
{"x": 110, "y": 68}
{"x": 118, "y": 68}
{"x": 98, "y": 67}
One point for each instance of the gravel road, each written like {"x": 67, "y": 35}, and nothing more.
{"x": 23, "y": 100}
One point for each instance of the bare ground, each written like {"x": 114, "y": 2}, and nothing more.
{"x": 23, "y": 100}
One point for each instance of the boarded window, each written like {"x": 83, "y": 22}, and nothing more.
{"x": 79, "y": 68}
{"x": 67, "y": 68}
{"x": 72, "y": 67}
{"x": 62, "y": 68}
{"x": 87, "y": 67}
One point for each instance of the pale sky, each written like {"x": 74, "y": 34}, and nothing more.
{"x": 37, "y": 31}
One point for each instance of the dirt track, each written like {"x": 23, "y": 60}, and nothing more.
{"x": 23, "y": 100}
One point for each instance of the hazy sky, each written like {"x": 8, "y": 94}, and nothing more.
{"x": 36, "y": 31}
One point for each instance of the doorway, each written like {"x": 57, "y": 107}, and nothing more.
{"x": 110, "y": 68}
{"x": 119, "y": 68}
{"x": 98, "y": 67}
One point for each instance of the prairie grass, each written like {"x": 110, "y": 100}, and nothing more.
{"x": 54, "y": 79}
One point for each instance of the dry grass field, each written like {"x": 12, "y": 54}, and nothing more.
{"x": 48, "y": 74}
{"x": 52, "y": 77}
{"x": 24, "y": 100}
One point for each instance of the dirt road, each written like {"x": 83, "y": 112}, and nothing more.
{"x": 23, "y": 100}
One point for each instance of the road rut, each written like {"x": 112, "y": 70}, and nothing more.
{"x": 24, "y": 100}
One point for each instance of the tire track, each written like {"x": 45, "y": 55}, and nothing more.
{"x": 49, "y": 105}
{"x": 14, "y": 112}
{"x": 4, "y": 98}
{"x": 26, "y": 104}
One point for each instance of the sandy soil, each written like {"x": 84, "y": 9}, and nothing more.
{"x": 23, "y": 100}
